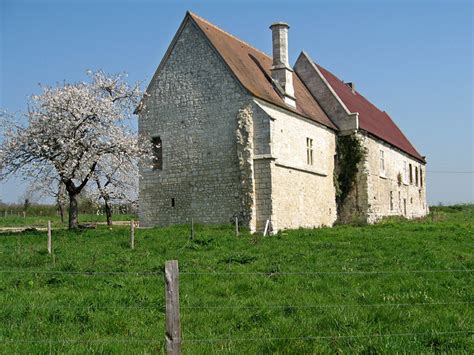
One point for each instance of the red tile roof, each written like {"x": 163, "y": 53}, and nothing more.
{"x": 252, "y": 68}
{"x": 371, "y": 119}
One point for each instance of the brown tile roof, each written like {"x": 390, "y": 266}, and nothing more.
{"x": 252, "y": 68}
{"x": 371, "y": 119}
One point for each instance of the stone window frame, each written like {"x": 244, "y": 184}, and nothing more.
{"x": 157, "y": 160}
{"x": 391, "y": 200}
{"x": 410, "y": 170}
{"x": 405, "y": 172}
{"x": 382, "y": 162}
{"x": 309, "y": 151}
{"x": 421, "y": 176}
{"x": 416, "y": 176}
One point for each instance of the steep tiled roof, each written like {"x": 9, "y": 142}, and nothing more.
{"x": 252, "y": 68}
{"x": 371, "y": 119}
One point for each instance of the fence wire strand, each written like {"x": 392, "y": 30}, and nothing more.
{"x": 214, "y": 340}
{"x": 84, "y": 273}
{"x": 256, "y": 273}
{"x": 159, "y": 306}
{"x": 329, "y": 305}
{"x": 356, "y": 272}
{"x": 326, "y": 337}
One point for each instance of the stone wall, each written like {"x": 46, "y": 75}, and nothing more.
{"x": 376, "y": 193}
{"x": 302, "y": 195}
{"x": 263, "y": 162}
{"x": 356, "y": 205}
{"x": 390, "y": 190}
{"x": 193, "y": 106}
{"x": 327, "y": 98}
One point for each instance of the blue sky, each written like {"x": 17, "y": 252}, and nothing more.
{"x": 413, "y": 59}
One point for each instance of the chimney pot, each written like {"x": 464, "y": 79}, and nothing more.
{"x": 352, "y": 86}
{"x": 281, "y": 71}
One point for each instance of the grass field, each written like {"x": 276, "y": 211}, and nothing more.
{"x": 42, "y": 221}
{"x": 344, "y": 289}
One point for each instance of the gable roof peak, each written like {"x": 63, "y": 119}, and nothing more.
{"x": 252, "y": 68}
{"x": 199, "y": 18}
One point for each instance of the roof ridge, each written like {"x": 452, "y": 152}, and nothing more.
{"x": 364, "y": 104}
{"x": 192, "y": 14}
{"x": 354, "y": 90}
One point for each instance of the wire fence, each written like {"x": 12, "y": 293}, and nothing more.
{"x": 335, "y": 336}
{"x": 96, "y": 307}
{"x": 222, "y": 340}
{"x": 218, "y": 273}
{"x": 159, "y": 305}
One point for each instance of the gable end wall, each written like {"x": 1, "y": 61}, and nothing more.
{"x": 193, "y": 106}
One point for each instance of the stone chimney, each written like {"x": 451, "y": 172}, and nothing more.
{"x": 281, "y": 71}
{"x": 352, "y": 86}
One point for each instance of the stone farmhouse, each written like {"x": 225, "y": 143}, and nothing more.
{"x": 238, "y": 133}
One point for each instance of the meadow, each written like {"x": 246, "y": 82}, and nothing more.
{"x": 398, "y": 286}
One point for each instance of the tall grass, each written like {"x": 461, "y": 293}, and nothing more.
{"x": 299, "y": 291}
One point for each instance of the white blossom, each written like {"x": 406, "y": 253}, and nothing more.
{"x": 75, "y": 132}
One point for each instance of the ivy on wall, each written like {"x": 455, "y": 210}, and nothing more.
{"x": 350, "y": 152}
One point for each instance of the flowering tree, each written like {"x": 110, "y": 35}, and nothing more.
{"x": 116, "y": 180}
{"x": 72, "y": 129}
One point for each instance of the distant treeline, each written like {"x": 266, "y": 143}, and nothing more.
{"x": 38, "y": 209}
{"x": 466, "y": 207}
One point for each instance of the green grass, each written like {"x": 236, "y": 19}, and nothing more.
{"x": 75, "y": 310}
{"x": 42, "y": 221}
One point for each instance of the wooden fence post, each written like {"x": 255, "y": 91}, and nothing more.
{"x": 50, "y": 248}
{"x": 236, "y": 226}
{"x": 173, "y": 328}
{"x": 24, "y": 214}
{"x": 132, "y": 234}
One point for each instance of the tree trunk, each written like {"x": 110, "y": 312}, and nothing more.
{"x": 73, "y": 211}
{"x": 61, "y": 211}
{"x": 108, "y": 211}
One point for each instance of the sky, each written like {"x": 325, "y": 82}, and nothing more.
{"x": 413, "y": 59}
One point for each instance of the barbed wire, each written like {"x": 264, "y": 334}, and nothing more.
{"x": 86, "y": 273}
{"x": 83, "y": 307}
{"x": 211, "y": 340}
{"x": 85, "y": 341}
{"x": 184, "y": 340}
{"x": 263, "y": 306}
{"x": 257, "y": 273}
{"x": 328, "y": 305}
{"x": 356, "y": 272}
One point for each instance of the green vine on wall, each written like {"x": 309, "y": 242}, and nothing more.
{"x": 350, "y": 152}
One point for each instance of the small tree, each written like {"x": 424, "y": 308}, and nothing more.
{"x": 52, "y": 186}
{"x": 70, "y": 129}
{"x": 27, "y": 198}
{"x": 116, "y": 181}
